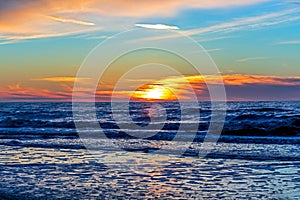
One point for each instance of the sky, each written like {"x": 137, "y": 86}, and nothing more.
{"x": 254, "y": 43}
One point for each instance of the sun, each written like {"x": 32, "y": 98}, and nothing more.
{"x": 153, "y": 92}
{"x": 156, "y": 93}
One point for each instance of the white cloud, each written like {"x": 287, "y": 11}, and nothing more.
{"x": 157, "y": 26}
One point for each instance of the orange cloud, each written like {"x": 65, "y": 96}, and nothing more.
{"x": 242, "y": 79}
{"x": 182, "y": 86}
{"x": 61, "y": 79}
{"x": 16, "y": 92}
{"x": 235, "y": 79}
{"x": 165, "y": 88}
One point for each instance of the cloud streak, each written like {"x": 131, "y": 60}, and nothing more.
{"x": 241, "y": 24}
{"x": 249, "y": 23}
{"x": 290, "y": 42}
{"x": 251, "y": 59}
{"x": 74, "y": 21}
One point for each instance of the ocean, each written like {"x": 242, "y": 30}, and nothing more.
{"x": 257, "y": 155}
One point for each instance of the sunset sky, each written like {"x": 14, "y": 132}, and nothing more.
{"x": 254, "y": 43}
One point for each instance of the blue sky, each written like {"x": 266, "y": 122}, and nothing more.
{"x": 253, "y": 37}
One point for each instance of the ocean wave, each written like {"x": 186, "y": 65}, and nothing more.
{"x": 48, "y": 120}
{"x": 10, "y": 122}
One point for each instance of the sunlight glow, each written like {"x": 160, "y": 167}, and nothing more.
{"x": 153, "y": 92}
{"x": 156, "y": 93}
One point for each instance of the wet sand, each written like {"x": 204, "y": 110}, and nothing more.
{"x": 35, "y": 173}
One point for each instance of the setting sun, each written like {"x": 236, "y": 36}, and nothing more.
{"x": 156, "y": 93}
{"x": 153, "y": 92}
